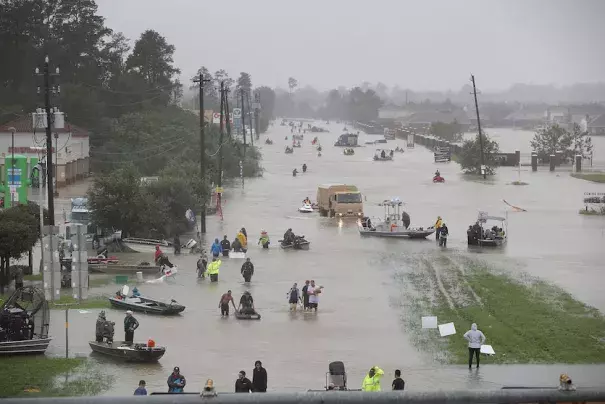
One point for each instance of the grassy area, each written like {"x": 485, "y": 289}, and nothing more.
{"x": 93, "y": 302}
{"x": 49, "y": 377}
{"x": 526, "y": 321}
{"x": 594, "y": 177}
{"x": 592, "y": 212}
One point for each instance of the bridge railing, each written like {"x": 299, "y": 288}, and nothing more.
{"x": 505, "y": 396}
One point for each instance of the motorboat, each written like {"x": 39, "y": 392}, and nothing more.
{"x": 306, "y": 208}
{"x": 144, "y": 245}
{"x": 399, "y": 149}
{"x": 138, "y": 352}
{"x": 268, "y": 141}
{"x": 247, "y": 316}
{"x": 348, "y": 152}
{"x": 488, "y": 231}
{"x": 395, "y": 224}
{"x": 296, "y": 144}
{"x": 25, "y": 319}
{"x": 438, "y": 178}
{"x": 383, "y": 155}
{"x": 298, "y": 137}
{"x": 299, "y": 244}
{"x": 289, "y": 150}
{"x": 145, "y": 304}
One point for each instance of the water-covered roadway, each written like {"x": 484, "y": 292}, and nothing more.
{"x": 359, "y": 320}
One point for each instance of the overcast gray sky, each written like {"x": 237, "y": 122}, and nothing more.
{"x": 420, "y": 44}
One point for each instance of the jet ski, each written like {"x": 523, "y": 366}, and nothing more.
{"x": 438, "y": 178}
{"x": 306, "y": 208}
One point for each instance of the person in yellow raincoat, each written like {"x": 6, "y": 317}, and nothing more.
{"x": 212, "y": 269}
{"x": 243, "y": 240}
{"x": 372, "y": 380}
{"x": 438, "y": 224}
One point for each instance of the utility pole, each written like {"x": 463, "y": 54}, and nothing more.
{"x": 220, "y": 152}
{"x": 48, "y": 89}
{"x": 201, "y": 80}
{"x": 241, "y": 92}
{"x": 250, "y": 114}
{"x": 257, "y": 114}
{"x": 483, "y": 168}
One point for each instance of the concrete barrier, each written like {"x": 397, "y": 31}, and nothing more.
{"x": 504, "y": 396}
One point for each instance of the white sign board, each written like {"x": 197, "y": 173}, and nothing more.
{"x": 429, "y": 322}
{"x": 237, "y": 112}
{"x": 487, "y": 349}
{"x": 447, "y": 329}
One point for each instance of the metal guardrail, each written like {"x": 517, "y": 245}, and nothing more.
{"x": 506, "y": 396}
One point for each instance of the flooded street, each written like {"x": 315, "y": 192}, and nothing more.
{"x": 359, "y": 316}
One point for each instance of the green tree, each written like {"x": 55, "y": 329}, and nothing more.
{"x": 552, "y": 139}
{"x": 152, "y": 60}
{"x": 362, "y": 105}
{"x": 292, "y": 84}
{"x": 211, "y": 100}
{"x": 267, "y": 101}
{"x": 19, "y": 231}
{"x": 244, "y": 82}
{"x": 470, "y": 156}
{"x": 450, "y": 132}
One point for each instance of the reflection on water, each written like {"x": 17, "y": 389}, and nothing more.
{"x": 550, "y": 240}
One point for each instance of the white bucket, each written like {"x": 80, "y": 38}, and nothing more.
{"x": 140, "y": 276}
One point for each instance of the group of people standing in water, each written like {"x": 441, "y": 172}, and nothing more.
{"x": 308, "y": 297}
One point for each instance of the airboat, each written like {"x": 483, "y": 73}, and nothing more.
{"x": 488, "y": 231}
{"x": 395, "y": 224}
{"x": 24, "y": 322}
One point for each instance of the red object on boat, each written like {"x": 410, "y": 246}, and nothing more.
{"x": 438, "y": 179}
{"x": 102, "y": 260}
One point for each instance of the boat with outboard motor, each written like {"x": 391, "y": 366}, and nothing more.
{"x": 138, "y": 352}
{"x": 383, "y": 155}
{"x": 289, "y": 150}
{"x": 306, "y": 208}
{"x": 146, "y": 245}
{"x": 348, "y": 152}
{"x": 395, "y": 224}
{"x": 482, "y": 235}
{"x": 145, "y": 304}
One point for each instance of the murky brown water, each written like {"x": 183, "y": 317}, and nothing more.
{"x": 357, "y": 322}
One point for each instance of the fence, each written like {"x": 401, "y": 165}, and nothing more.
{"x": 505, "y": 396}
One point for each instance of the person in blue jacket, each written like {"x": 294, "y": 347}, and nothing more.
{"x": 216, "y": 248}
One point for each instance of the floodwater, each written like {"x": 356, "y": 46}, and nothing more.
{"x": 359, "y": 320}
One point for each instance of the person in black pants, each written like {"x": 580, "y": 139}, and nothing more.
{"x": 130, "y": 324}
{"x": 475, "y": 339}
{"x": 259, "y": 378}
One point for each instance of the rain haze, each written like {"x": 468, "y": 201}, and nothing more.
{"x": 421, "y": 45}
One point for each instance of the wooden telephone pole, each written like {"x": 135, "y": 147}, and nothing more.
{"x": 201, "y": 80}
{"x": 483, "y": 168}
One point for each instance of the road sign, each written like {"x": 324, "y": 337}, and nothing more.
{"x": 237, "y": 112}
{"x": 216, "y": 118}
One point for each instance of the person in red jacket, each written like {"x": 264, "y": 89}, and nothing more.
{"x": 160, "y": 258}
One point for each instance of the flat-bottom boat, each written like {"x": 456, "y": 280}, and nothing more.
{"x": 301, "y": 244}
{"x": 130, "y": 353}
{"x": 242, "y": 316}
{"x": 26, "y": 347}
{"x": 147, "y": 305}
{"x": 393, "y": 226}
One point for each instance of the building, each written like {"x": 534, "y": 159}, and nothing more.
{"x": 71, "y": 148}
{"x": 596, "y": 126}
